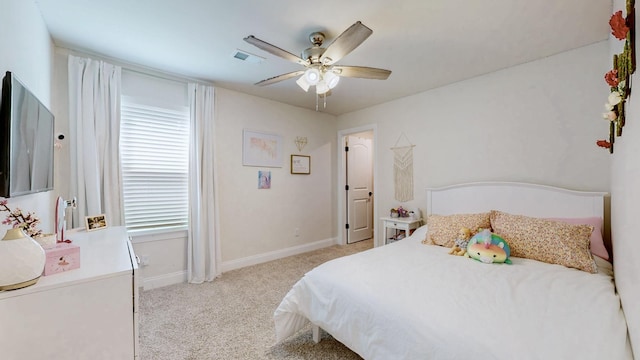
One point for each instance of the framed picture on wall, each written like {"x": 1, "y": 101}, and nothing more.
{"x": 261, "y": 149}
{"x": 264, "y": 179}
{"x": 301, "y": 164}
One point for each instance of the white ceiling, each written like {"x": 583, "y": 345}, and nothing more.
{"x": 426, "y": 43}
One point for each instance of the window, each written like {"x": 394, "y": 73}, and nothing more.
{"x": 154, "y": 148}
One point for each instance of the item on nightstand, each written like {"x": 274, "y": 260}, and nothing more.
{"x": 21, "y": 260}
{"x": 61, "y": 257}
{"x": 460, "y": 246}
{"x": 489, "y": 248}
{"x": 399, "y": 212}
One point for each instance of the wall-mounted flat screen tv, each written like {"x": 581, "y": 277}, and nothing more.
{"x": 26, "y": 141}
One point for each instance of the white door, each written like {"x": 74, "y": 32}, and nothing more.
{"x": 359, "y": 189}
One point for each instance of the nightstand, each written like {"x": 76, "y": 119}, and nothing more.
{"x": 403, "y": 224}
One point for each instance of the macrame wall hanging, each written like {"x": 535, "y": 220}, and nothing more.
{"x": 403, "y": 168}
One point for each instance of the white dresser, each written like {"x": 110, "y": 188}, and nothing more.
{"x": 85, "y": 313}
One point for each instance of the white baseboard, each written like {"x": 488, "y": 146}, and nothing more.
{"x": 275, "y": 255}
{"x": 178, "y": 277}
{"x": 155, "y": 282}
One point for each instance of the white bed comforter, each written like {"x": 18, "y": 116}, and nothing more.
{"x": 413, "y": 301}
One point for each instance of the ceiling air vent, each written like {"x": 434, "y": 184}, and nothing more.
{"x": 246, "y": 56}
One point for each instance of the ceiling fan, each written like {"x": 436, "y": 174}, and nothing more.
{"x": 321, "y": 70}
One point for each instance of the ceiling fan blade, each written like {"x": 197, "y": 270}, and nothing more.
{"x": 345, "y": 43}
{"x": 272, "y": 49}
{"x": 362, "y": 72}
{"x": 276, "y": 79}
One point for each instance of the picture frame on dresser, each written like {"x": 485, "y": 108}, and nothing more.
{"x": 95, "y": 222}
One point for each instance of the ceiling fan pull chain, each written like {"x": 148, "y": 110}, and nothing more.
{"x": 325, "y": 100}
{"x": 317, "y": 96}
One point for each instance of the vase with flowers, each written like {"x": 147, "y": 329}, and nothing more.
{"x": 27, "y": 221}
{"x": 22, "y": 259}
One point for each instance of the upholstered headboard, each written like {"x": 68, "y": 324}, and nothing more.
{"x": 513, "y": 197}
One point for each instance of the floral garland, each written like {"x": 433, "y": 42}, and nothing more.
{"x": 618, "y": 78}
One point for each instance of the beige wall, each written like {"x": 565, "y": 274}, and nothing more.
{"x": 27, "y": 51}
{"x": 258, "y": 225}
{"x": 625, "y": 202}
{"x": 537, "y": 122}
{"x": 252, "y": 221}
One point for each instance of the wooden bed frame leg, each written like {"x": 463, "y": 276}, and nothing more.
{"x": 315, "y": 331}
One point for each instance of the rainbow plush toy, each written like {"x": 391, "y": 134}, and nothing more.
{"x": 488, "y": 248}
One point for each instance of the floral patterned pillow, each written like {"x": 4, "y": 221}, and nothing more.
{"x": 546, "y": 240}
{"x": 443, "y": 229}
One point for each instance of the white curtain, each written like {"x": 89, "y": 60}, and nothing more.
{"x": 203, "y": 253}
{"x": 94, "y": 118}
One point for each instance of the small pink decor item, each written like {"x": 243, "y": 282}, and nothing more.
{"x": 61, "y": 257}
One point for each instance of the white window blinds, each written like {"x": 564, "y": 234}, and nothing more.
{"x": 154, "y": 147}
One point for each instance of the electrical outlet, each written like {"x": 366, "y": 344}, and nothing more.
{"x": 144, "y": 260}
{"x": 296, "y": 232}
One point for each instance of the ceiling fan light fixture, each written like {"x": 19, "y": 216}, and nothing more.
{"x": 312, "y": 76}
{"x": 302, "y": 82}
{"x": 322, "y": 87}
{"x": 320, "y": 69}
{"x": 331, "y": 79}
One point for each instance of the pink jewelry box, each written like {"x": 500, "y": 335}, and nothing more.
{"x": 61, "y": 257}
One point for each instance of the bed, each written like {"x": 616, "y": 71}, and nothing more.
{"x": 409, "y": 300}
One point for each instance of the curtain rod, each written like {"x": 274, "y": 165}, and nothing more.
{"x": 133, "y": 67}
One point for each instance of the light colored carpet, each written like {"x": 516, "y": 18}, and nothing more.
{"x": 232, "y": 317}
